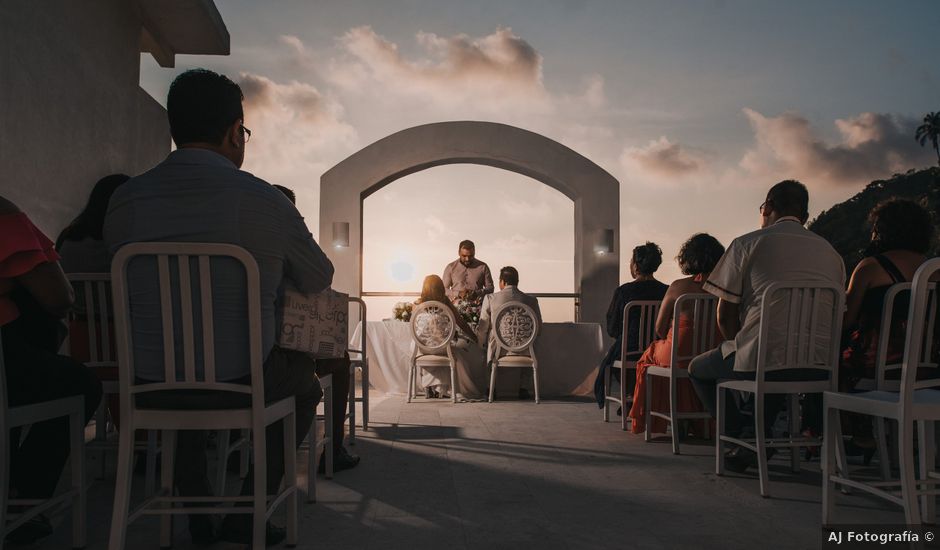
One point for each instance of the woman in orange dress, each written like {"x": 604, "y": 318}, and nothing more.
{"x": 696, "y": 258}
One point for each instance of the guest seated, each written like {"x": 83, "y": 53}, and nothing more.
{"x": 83, "y": 250}
{"x": 781, "y": 250}
{"x": 468, "y": 356}
{"x": 34, "y": 297}
{"x": 645, "y": 261}
{"x": 901, "y": 235}
{"x": 340, "y": 368}
{"x": 696, "y": 258}
{"x": 508, "y": 292}
{"x": 199, "y": 194}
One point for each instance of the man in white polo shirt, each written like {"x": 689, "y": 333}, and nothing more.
{"x": 781, "y": 250}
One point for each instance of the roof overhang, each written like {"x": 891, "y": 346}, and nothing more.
{"x": 171, "y": 27}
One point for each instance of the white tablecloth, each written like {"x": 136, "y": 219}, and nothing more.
{"x": 568, "y": 355}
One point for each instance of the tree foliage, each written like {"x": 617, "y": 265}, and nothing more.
{"x": 846, "y": 227}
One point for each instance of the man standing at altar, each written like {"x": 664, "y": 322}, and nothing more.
{"x": 467, "y": 273}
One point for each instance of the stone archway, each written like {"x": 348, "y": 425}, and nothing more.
{"x": 595, "y": 193}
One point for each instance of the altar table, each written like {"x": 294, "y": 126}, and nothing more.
{"x": 568, "y": 355}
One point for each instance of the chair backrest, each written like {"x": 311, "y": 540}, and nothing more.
{"x": 93, "y": 308}
{"x": 515, "y": 327}
{"x": 808, "y": 316}
{"x": 432, "y": 327}
{"x": 645, "y": 312}
{"x": 177, "y": 308}
{"x": 921, "y": 326}
{"x": 897, "y": 298}
{"x": 702, "y": 311}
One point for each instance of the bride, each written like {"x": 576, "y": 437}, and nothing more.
{"x": 468, "y": 355}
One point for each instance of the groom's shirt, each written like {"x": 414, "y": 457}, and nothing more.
{"x": 458, "y": 277}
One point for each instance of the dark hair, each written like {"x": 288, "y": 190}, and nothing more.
{"x": 789, "y": 198}
{"x": 509, "y": 275}
{"x": 468, "y": 244}
{"x": 699, "y": 254}
{"x": 288, "y": 192}
{"x": 647, "y": 258}
{"x": 201, "y": 106}
{"x": 90, "y": 222}
{"x": 900, "y": 224}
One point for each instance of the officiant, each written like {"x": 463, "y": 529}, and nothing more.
{"x": 467, "y": 273}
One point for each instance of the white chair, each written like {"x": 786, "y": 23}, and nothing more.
{"x": 432, "y": 327}
{"x": 316, "y": 444}
{"x": 809, "y": 326}
{"x": 646, "y": 312}
{"x": 192, "y": 260}
{"x": 915, "y": 405}
{"x": 97, "y": 312}
{"x": 360, "y": 362}
{"x": 72, "y": 408}
{"x": 516, "y": 328}
{"x": 702, "y": 311}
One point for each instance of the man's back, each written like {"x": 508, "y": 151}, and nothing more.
{"x": 784, "y": 251}
{"x": 492, "y": 303}
{"x": 199, "y": 196}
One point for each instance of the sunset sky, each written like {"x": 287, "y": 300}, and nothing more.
{"x": 695, "y": 107}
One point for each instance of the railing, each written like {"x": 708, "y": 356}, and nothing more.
{"x": 575, "y": 295}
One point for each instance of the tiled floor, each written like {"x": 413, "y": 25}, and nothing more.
{"x": 517, "y": 475}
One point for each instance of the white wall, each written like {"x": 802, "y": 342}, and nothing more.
{"x": 71, "y": 108}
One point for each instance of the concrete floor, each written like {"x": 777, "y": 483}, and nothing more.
{"x": 517, "y": 475}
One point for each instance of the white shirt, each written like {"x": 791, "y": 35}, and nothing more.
{"x": 785, "y": 251}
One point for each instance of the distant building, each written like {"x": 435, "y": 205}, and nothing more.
{"x": 71, "y": 106}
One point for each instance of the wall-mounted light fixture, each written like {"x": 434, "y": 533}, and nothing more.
{"x": 340, "y": 234}
{"x": 606, "y": 243}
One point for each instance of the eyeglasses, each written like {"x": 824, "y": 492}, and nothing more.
{"x": 762, "y": 206}
{"x": 245, "y": 132}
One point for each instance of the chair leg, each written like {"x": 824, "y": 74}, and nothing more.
{"x": 884, "y": 456}
{"x": 927, "y": 456}
{"x": 244, "y": 455}
{"x": 328, "y": 431}
{"x": 719, "y": 432}
{"x": 794, "y": 416}
{"x": 648, "y": 406}
{"x": 223, "y": 439}
{"x": 761, "y": 444}
{"x": 492, "y": 381}
{"x": 101, "y": 433}
{"x": 260, "y": 486}
{"x": 122, "y": 487}
{"x": 364, "y": 390}
{"x": 623, "y": 398}
{"x": 352, "y": 406}
{"x": 411, "y": 381}
{"x": 150, "y": 481}
{"x": 535, "y": 382}
{"x": 674, "y": 413}
{"x": 607, "y": 378}
{"x": 453, "y": 383}
{"x": 290, "y": 475}
{"x": 167, "y": 460}
{"x": 908, "y": 482}
{"x": 830, "y": 419}
{"x": 4, "y": 478}
{"x": 313, "y": 459}
{"x": 80, "y": 500}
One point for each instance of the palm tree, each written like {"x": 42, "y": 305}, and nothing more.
{"x": 930, "y": 129}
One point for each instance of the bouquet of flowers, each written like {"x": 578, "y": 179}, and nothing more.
{"x": 468, "y": 304}
{"x": 402, "y": 311}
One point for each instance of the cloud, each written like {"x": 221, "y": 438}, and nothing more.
{"x": 662, "y": 158}
{"x": 488, "y": 71}
{"x": 297, "y": 134}
{"x": 871, "y": 146}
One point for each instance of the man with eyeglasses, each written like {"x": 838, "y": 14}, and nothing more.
{"x": 781, "y": 250}
{"x": 199, "y": 194}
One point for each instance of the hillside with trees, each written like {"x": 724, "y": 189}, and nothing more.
{"x": 845, "y": 225}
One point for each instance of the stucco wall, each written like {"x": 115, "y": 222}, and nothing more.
{"x": 71, "y": 108}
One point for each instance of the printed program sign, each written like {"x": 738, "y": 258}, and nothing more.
{"x": 314, "y": 323}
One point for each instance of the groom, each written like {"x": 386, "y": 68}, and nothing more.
{"x": 467, "y": 273}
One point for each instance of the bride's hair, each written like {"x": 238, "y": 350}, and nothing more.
{"x": 433, "y": 290}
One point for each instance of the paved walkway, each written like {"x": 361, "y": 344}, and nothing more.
{"x": 517, "y": 475}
